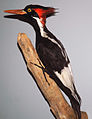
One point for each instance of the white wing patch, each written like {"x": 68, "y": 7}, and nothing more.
{"x": 66, "y": 78}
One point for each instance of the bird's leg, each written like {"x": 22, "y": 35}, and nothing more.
{"x": 43, "y": 69}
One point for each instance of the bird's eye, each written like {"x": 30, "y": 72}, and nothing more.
{"x": 29, "y": 10}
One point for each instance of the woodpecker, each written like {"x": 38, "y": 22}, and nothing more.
{"x": 51, "y": 52}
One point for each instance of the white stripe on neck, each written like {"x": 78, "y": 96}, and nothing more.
{"x": 44, "y": 34}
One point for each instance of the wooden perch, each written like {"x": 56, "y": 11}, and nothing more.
{"x": 57, "y": 103}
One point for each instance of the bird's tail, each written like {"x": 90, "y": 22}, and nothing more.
{"x": 76, "y": 103}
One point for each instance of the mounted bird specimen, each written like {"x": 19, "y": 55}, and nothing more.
{"x": 51, "y": 52}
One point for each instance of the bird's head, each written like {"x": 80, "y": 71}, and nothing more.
{"x": 35, "y": 12}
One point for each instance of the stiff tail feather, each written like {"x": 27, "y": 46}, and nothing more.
{"x": 76, "y": 104}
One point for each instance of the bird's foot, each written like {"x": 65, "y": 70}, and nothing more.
{"x": 43, "y": 69}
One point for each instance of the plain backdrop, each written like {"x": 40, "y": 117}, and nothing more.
{"x": 19, "y": 95}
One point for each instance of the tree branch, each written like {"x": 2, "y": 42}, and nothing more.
{"x": 57, "y": 103}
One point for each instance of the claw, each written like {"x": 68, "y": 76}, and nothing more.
{"x": 43, "y": 69}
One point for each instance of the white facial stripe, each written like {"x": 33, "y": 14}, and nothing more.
{"x": 40, "y": 26}
{"x": 44, "y": 34}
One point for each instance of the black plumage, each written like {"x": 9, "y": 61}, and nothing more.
{"x": 50, "y": 54}
{"x": 54, "y": 59}
{"x": 51, "y": 51}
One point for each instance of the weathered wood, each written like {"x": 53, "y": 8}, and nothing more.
{"x": 57, "y": 103}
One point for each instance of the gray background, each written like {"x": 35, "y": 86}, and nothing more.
{"x": 19, "y": 95}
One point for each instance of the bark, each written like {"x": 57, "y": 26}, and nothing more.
{"x": 53, "y": 95}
